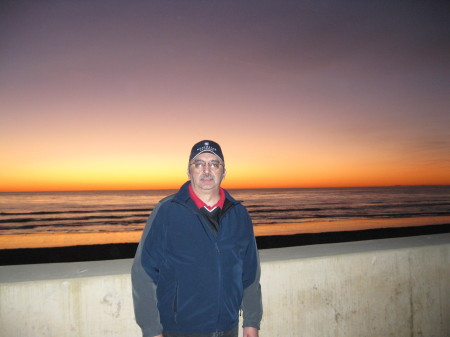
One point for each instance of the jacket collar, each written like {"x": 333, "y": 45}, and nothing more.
{"x": 183, "y": 197}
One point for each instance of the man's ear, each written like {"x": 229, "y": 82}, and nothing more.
{"x": 188, "y": 174}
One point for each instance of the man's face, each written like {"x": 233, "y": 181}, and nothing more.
{"x": 206, "y": 172}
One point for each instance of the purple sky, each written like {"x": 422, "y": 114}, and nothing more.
{"x": 348, "y": 92}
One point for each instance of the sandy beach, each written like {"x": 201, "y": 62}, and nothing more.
{"x": 84, "y": 239}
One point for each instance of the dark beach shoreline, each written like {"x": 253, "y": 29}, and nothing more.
{"x": 127, "y": 250}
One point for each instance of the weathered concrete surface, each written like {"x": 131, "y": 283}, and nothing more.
{"x": 393, "y": 287}
{"x": 379, "y": 288}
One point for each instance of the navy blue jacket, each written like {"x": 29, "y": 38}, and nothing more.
{"x": 188, "y": 280}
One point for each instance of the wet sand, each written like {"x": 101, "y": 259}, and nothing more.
{"x": 53, "y": 240}
{"x": 76, "y": 247}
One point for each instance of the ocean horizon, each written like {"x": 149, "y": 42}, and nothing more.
{"x": 127, "y": 210}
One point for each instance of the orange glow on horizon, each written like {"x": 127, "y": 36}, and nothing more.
{"x": 173, "y": 179}
{"x": 164, "y": 169}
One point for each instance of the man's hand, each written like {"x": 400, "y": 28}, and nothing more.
{"x": 159, "y": 335}
{"x": 250, "y": 332}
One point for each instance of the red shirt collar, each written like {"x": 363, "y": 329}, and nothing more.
{"x": 201, "y": 204}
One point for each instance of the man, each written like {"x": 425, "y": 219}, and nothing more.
{"x": 197, "y": 263}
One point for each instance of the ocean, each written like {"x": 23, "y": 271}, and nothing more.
{"x": 115, "y": 211}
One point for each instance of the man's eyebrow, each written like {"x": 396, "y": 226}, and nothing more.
{"x": 211, "y": 161}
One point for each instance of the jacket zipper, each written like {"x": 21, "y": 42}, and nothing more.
{"x": 175, "y": 304}
{"x": 219, "y": 293}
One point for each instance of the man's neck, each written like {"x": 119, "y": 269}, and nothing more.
{"x": 209, "y": 197}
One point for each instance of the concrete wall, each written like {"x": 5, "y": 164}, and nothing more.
{"x": 394, "y": 287}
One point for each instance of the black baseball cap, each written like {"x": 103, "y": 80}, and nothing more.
{"x": 206, "y": 146}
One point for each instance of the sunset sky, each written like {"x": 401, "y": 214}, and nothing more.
{"x": 113, "y": 94}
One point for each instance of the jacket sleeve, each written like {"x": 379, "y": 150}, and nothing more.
{"x": 144, "y": 286}
{"x": 251, "y": 302}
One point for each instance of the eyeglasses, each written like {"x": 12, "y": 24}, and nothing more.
{"x": 213, "y": 165}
